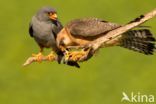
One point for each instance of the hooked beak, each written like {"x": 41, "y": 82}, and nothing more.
{"x": 53, "y": 16}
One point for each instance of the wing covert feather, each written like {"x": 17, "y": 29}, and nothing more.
{"x": 90, "y": 27}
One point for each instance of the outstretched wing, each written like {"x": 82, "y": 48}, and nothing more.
{"x": 90, "y": 27}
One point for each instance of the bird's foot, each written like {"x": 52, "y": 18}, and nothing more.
{"x": 51, "y": 56}
{"x": 77, "y": 55}
{"x": 66, "y": 59}
{"x": 38, "y": 57}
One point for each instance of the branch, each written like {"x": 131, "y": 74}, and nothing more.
{"x": 32, "y": 59}
{"x": 115, "y": 34}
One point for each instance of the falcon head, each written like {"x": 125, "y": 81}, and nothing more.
{"x": 47, "y": 14}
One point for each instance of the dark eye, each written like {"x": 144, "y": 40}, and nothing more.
{"x": 50, "y": 13}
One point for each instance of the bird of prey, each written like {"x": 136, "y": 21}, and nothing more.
{"x": 44, "y": 28}
{"x": 80, "y": 32}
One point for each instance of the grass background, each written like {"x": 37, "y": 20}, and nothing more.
{"x": 101, "y": 80}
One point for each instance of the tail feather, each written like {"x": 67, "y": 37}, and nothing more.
{"x": 139, "y": 40}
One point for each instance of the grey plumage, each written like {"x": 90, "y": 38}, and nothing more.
{"x": 90, "y": 27}
{"x": 43, "y": 29}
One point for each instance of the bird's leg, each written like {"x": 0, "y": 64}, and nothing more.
{"x": 51, "y": 56}
{"x": 65, "y": 58}
{"x": 79, "y": 55}
{"x": 39, "y": 55}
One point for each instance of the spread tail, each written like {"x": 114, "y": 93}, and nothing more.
{"x": 139, "y": 40}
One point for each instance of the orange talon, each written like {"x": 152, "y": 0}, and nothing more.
{"x": 38, "y": 57}
{"x": 51, "y": 56}
{"x": 77, "y": 56}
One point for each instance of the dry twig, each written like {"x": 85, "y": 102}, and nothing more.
{"x": 33, "y": 59}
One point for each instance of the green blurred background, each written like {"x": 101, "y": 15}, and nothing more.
{"x": 100, "y": 80}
